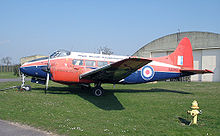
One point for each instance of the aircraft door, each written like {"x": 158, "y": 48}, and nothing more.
{"x": 77, "y": 69}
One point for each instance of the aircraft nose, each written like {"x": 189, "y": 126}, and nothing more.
{"x": 27, "y": 70}
{"x": 36, "y": 71}
{"x": 30, "y": 71}
{"x": 23, "y": 70}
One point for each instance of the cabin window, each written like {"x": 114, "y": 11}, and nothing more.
{"x": 90, "y": 63}
{"x": 102, "y": 63}
{"x": 78, "y": 62}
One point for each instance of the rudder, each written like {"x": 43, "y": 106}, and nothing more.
{"x": 183, "y": 56}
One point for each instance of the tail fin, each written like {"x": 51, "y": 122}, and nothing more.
{"x": 181, "y": 57}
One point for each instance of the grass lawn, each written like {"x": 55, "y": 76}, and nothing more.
{"x": 7, "y": 75}
{"x": 144, "y": 109}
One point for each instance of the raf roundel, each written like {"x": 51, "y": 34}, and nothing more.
{"x": 147, "y": 72}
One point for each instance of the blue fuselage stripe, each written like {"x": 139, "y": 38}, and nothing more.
{"x": 134, "y": 78}
{"x": 137, "y": 78}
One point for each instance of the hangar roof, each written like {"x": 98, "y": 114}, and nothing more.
{"x": 199, "y": 40}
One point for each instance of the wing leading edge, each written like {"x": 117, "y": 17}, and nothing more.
{"x": 117, "y": 71}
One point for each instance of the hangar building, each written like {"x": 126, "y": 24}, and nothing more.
{"x": 206, "y": 51}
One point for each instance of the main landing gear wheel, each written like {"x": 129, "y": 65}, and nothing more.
{"x": 98, "y": 91}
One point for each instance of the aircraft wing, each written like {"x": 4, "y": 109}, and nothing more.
{"x": 116, "y": 71}
{"x": 195, "y": 71}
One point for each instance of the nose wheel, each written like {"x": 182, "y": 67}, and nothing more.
{"x": 25, "y": 88}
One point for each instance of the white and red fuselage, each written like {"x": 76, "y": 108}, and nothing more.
{"x": 72, "y": 67}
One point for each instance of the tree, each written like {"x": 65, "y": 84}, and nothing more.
{"x": 105, "y": 50}
{"x": 7, "y": 61}
{"x": 16, "y": 70}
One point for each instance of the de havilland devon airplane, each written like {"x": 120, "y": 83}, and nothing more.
{"x": 72, "y": 68}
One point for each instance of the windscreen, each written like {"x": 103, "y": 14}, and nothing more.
{"x": 60, "y": 53}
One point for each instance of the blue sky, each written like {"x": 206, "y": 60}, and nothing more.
{"x": 29, "y": 27}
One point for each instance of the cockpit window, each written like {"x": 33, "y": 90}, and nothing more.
{"x": 60, "y": 53}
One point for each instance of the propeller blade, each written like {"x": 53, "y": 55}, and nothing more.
{"x": 48, "y": 64}
{"x": 48, "y": 74}
{"x": 47, "y": 81}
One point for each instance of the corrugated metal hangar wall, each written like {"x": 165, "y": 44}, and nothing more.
{"x": 206, "y": 51}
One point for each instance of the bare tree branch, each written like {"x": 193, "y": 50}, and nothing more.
{"x": 104, "y": 50}
{"x": 6, "y": 60}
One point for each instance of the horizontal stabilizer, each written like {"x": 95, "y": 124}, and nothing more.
{"x": 195, "y": 71}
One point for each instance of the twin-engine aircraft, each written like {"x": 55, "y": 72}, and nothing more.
{"x": 72, "y": 68}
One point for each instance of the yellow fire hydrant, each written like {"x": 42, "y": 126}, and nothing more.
{"x": 194, "y": 112}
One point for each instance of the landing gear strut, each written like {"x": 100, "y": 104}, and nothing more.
{"x": 23, "y": 86}
{"x": 98, "y": 90}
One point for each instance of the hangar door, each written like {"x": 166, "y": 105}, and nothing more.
{"x": 211, "y": 61}
{"x": 197, "y": 62}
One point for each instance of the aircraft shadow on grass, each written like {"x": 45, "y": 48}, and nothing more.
{"x": 107, "y": 102}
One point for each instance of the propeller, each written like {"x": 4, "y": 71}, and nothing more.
{"x": 48, "y": 74}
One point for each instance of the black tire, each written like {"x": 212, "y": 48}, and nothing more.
{"x": 98, "y": 91}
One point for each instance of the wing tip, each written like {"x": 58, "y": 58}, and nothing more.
{"x": 208, "y": 71}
